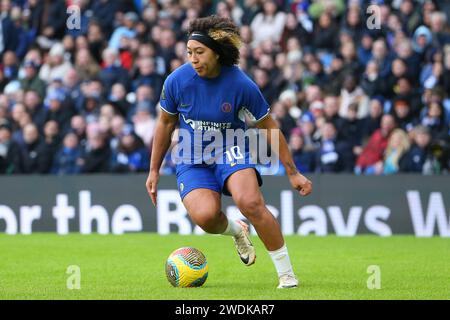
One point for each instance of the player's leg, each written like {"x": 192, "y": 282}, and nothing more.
{"x": 245, "y": 191}
{"x": 204, "y": 208}
{"x": 200, "y": 193}
{"x": 244, "y": 188}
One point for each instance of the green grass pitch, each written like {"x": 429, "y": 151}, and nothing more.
{"x": 131, "y": 266}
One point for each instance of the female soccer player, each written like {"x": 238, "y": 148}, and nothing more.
{"x": 210, "y": 93}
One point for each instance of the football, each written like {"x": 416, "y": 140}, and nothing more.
{"x": 187, "y": 267}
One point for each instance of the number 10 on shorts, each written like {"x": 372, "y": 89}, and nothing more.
{"x": 233, "y": 154}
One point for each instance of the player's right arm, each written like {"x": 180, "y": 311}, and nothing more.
{"x": 161, "y": 142}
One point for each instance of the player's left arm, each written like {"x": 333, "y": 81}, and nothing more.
{"x": 297, "y": 180}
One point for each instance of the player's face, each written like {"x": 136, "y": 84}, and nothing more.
{"x": 204, "y": 60}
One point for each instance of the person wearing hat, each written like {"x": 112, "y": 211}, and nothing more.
{"x": 57, "y": 110}
{"x": 211, "y": 94}
{"x": 56, "y": 66}
{"x": 31, "y": 80}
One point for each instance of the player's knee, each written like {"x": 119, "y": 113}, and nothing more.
{"x": 251, "y": 206}
{"x": 208, "y": 220}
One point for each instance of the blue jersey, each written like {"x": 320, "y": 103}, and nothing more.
{"x": 211, "y": 105}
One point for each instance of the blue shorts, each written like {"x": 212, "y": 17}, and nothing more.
{"x": 208, "y": 176}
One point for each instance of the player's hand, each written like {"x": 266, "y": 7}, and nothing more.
{"x": 151, "y": 185}
{"x": 302, "y": 184}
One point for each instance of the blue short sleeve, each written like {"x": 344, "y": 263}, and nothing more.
{"x": 167, "y": 101}
{"x": 256, "y": 105}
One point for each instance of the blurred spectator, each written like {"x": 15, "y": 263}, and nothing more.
{"x": 281, "y": 115}
{"x": 438, "y": 25}
{"x": 78, "y": 126}
{"x": 35, "y": 107}
{"x": 66, "y": 160}
{"x": 31, "y": 80}
{"x": 118, "y": 99}
{"x": 336, "y": 75}
{"x": 91, "y": 100}
{"x": 364, "y": 49}
{"x": 58, "y": 111}
{"x": 148, "y": 75}
{"x": 111, "y": 71}
{"x": 117, "y": 127}
{"x": 434, "y": 119}
{"x": 48, "y": 20}
{"x": 145, "y": 96}
{"x": 351, "y": 63}
{"x": 87, "y": 68}
{"x": 352, "y": 93}
{"x": 352, "y": 128}
{"x": 332, "y": 154}
{"x": 325, "y": 33}
{"x": 51, "y": 143}
{"x": 166, "y": 47}
{"x": 10, "y": 66}
{"x": 331, "y": 111}
{"x": 353, "y": 23}
{"x": 405, "y": 91}
{"x": 308, "y": 128}
{"x": 262, "y": 80}
{"x": 422, "y": 42}
{"x": 34, "y": 156}
{"x": 144, "y": 123}
{"x": 96, "y": 39}
{"x": 371, "y": 156}
{"x": 419, "y": 153}
{"x": 130, "y": 20}
{"x": 304, "y": 160}
{"x": 381, "y": 56}
{"x": 8, "y": 34}
{"x": 104, "y": 12}
{"x": 9, "y": 151}
{"x": 295, "y": 29}
{"x": 371, "y": 83}
{"x": 97, "y": 157}
{"x": 403, "y": 115}
{"x": 251, "y": 9}
{"x": 131, "y": 154}
{"x": 409, "y": 15}
{"x": 55, "y": 67}
{"x": 397, "y": 146}
{"x": 268, "y": 24}
{"x": 71, "y": 83}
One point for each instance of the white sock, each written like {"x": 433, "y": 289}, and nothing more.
{"x": 281, "y": 261}
{"x": 233, "y": 228}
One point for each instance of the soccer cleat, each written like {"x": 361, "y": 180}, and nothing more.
{"x": 288, "y": 281}
{"x": 244, "y": 246}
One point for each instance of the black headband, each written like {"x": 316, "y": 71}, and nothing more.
{"x": 206, "y": 40}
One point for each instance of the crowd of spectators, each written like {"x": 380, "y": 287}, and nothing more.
{"x": 353, "y": 89}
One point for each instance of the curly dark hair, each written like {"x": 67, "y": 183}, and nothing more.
{"x": 225, "y": 32}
